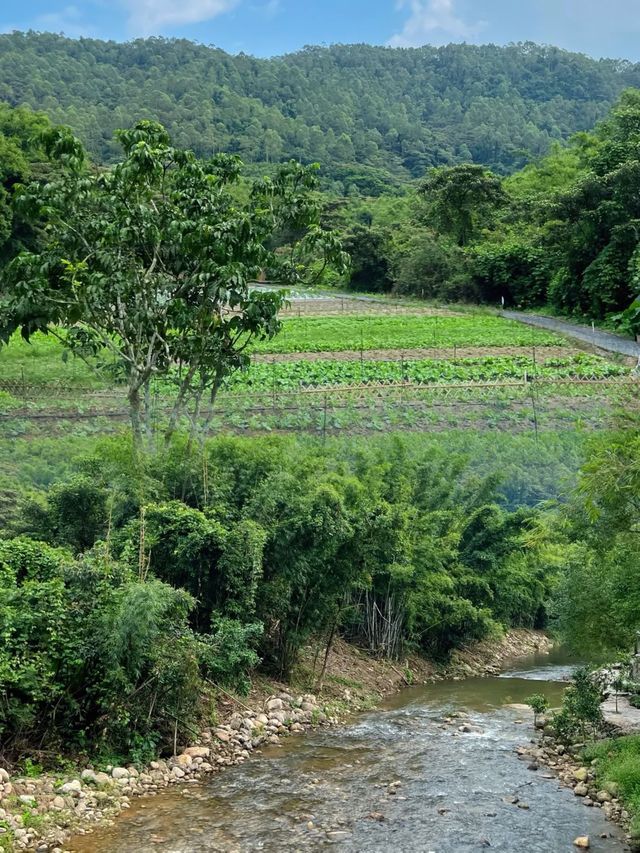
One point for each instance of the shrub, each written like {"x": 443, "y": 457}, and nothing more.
{"x": 538, "y": 703}
{"x": 580, "y": 715}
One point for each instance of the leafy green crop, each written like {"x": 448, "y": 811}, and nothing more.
{"x": 300, "y": 374}
{"x": 337, "y": 334}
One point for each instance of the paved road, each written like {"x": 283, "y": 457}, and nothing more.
{"x": 604, "y": 340}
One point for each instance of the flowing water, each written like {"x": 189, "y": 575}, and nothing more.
{"x": 332, "y": 787}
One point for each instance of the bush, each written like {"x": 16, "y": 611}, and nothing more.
{"x": 617, "y": 768}
{"x": 580, "y": 715}
{"x": 89, "y": 652}
{"x": 538, "y": 703}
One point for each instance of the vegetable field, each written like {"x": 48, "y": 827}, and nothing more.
{"x": 354, "y": 373}
{"x": 323, "y": 334}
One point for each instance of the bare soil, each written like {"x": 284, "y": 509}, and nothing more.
{"x": 336, "y": 307}
{"x": 355, "y": 677}
{"x": 449, "y": 353}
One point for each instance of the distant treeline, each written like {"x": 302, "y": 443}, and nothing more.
{"x": 374, "y": 117}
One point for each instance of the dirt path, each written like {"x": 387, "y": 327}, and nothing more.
{"x": 598, "y": 338}
{"x": 626, "y": 719}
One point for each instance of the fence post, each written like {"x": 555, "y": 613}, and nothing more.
{"x": 324, "y": 420}
{"x": 273, "y": 382}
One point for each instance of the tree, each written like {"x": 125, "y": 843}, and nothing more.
{"x": 150, "y": 265}
{"x": 368, "y": 248}
{"x": 460, "y": 199}
{"x": 21, "y": 159}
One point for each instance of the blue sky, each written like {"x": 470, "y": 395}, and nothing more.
{"x": 268, "y": 27}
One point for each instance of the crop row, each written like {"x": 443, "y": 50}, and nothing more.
{"x": 337, "y": 334}
{"x": 301, "y": 374}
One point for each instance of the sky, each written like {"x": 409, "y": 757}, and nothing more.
{"x": 272, "y": 27}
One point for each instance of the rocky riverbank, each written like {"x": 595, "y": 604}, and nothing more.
{"x": 567, "y": 766}
{"x": 40, "y": 812}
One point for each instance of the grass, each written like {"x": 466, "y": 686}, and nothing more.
{"x": 617, "y": 769}
{"x": 42, "y": 361}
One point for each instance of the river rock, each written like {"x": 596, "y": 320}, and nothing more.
{"x": 178, "y": 772}
{"x": 235, "y": 721}
{"x": 582, "y": 842}
{"x": 222, "y": 735}
{"x": 120, "y": 773}
{"x": 278, "y": 717}
{"x": 102, "y": 779}
{"x": 4, "y": 776}
{"x": 581, "y": 790}
{"x": 603, "y": 797}
{"x": 88, "y": 775}
{"x": 198, "y": 751}
{"x": 183, "y": 760}
{"x": 274, "y": 705}
{"x": 74, "y": 787}
{"x": 27, "y": 799}
{"x": 58, "y": 803}
{"x": 581, "y": 774}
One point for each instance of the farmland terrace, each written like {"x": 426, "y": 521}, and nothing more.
{"x": 343, "y": 364}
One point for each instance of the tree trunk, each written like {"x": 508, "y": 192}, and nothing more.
{"x": 135, "y": 415}
{"x": 327, "y": 653}
{"x": 178, "y": 406}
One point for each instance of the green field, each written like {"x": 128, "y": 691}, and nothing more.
{"x": 301, "y": 374}
{"x": 546, "y": 381}
{"x": 338, "y": 334}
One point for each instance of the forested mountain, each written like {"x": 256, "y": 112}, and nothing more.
{"x": 371, "y": 115}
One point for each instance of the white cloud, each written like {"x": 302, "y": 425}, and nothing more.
{"x": 68, "y": 21}
{"x": 149, "y": 17}
{"x": 433, "y": 21}
{"x": 272, "y": 8}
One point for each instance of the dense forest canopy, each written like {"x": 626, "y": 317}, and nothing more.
{"x": 373, "y": 116}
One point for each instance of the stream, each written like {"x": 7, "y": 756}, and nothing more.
{"x": 331, "y": 787}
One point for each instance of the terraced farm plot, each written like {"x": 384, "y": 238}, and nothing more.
{"x": 334, "y": 334}
{"x": 348, "y": 374}
{"x": 341, "y": 306}
{"x": 301, "y": 374}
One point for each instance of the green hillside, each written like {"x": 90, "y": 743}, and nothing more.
{"x": 373, "y": 116}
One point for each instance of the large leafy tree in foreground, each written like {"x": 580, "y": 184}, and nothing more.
{"x": 150, "y": 265}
